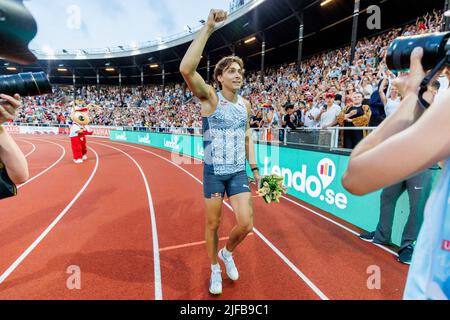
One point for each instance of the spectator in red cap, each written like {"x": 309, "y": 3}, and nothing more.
{"x": 329, "y": 112}
{"x": 327, "y": 119}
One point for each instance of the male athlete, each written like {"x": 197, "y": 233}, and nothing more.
{"x": 227, "y": 144}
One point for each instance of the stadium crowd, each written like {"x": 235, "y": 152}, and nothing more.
{"x": 292, "y": 96}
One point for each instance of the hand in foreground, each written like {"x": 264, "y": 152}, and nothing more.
{"x": 8, "y": 107}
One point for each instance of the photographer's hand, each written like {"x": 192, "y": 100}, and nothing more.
{"x": 406, "y": 143}
{"x": 8, "y": 107}
{"x": 10, "y": 153}
{"x": 410, "y": 84}
{"x": 407, "y": 112}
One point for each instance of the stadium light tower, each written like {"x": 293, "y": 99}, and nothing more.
{"x": 163, "y": 76}
{"x": 208, "y": 67}
{"x": 300, "y": 39}
{"x": 354, "y": 30}
{"x": 446, "y": 26}
{"x": 263, "y": 55}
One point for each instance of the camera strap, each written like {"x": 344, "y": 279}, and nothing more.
{"x": 426, "y": 81}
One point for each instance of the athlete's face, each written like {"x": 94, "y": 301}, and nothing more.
{"x": 232, "y": 77}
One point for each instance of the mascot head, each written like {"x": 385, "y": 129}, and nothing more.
{"x": 80, "y": 115}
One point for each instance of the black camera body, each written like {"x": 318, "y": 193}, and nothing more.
{"x": 436, "y": 56}
{"x": 25, "y": 84}
{"x": 17, "y": 29}
{"x": 435, "y": 48}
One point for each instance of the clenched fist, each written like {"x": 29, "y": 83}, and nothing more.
{"x": 216, "y": 16}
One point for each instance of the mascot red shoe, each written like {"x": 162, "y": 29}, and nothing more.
{"x": 78, "y": 133}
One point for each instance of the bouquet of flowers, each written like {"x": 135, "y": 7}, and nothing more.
{"x": 272, "y": 188}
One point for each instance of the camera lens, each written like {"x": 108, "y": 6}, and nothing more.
{"x": 25, "y": 84}
{"x": 434, "y": 46}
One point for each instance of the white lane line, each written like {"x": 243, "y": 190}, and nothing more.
{"x": 32, "y": 150}
{"x": 327, "y": 219}
{"x": 50, "y": 227}
{"x": 49, "y": 168}
{"x": 337, "y": 224}
{"x": 270, "y": 244}
{"x": 156, "y": 260}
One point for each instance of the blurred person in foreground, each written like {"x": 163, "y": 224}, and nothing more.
{"x": 409, "y": 141}
{"x": 418, "y": 188}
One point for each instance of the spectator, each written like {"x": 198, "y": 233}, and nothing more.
{"x": 256, "y": 121}
{"x": 329, "y": 112}
{"x": 311, "y": 112}
{"x": 354, "y": 115}
{"x": 390, "y": 104}
{"x": 289, "y": 119}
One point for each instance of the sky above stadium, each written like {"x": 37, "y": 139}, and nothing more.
{"x": 86, "y": 24}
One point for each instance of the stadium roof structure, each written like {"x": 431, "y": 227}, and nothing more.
{"x": 275, "y": 21}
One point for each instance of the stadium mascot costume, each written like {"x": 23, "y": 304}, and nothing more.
{"x": 78, "y": 133}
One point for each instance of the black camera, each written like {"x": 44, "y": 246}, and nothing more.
{"x": 436, "y": 56}
{"x": 17, "y": 29}
{"x": 25, "y": 84}
{"x": 435, "y": 48}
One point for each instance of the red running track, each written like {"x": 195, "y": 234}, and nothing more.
{"x": 132, "y": 221}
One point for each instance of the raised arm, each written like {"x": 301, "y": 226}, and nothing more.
{"x": 381, "y": 91}
{"x": 192, "y": 58}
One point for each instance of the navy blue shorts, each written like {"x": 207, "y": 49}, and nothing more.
{"x": 215, "y": 186}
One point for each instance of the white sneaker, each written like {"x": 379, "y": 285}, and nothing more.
{"x": 232, "y": 271}
{"x": 84, "y": 157}
{"x": 215, "y": 284}
{"x": 78, "y": 161}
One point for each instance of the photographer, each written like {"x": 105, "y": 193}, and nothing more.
{"x": 418, "y": 188}
{"x": 410, "y": 141}
{"x": 13, "y": 165}
{"x": 18, "y": 28}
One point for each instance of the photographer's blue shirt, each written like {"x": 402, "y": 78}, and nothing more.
{"x": 429, "y": 274}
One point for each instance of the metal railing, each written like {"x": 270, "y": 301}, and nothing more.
{"x": 170, "y": 130}
{"x": 329, "y": 139}
{"x": 44, "y": 125}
